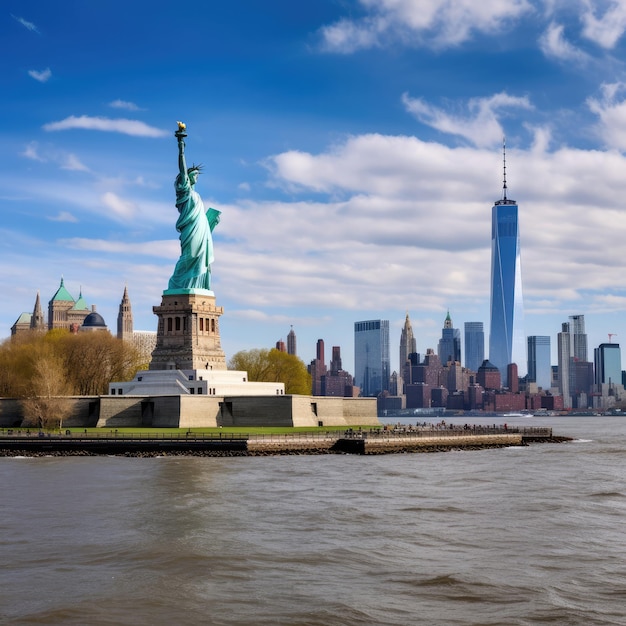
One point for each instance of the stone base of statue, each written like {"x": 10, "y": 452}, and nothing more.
{"x": 188, "y": 332}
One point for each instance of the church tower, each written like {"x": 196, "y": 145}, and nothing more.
{"x": 125, "y": 318}
{"x": 37, "y": 321}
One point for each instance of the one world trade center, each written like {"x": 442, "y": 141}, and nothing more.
{"x": 506, "y": 336}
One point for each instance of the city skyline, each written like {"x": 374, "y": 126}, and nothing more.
{"x": 353, "y": 149}
{"x": 473, "y": 338}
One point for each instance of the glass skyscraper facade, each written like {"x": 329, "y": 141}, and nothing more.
{"x": 578, "y": 337}
{"x": 474, "y": 345}
{"x": 539, "y": 367}
{"x": 564, "y": 353}
{"x": 371, "y": 356}
{"x": 506, "y": 335}
{"x": 608, "y": 364}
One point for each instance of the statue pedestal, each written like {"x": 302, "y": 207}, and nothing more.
{"x": 188, "y": 335}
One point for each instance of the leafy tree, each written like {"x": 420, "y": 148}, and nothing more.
{"x": 273, "y": 366}
{"x": 255, "y": 362}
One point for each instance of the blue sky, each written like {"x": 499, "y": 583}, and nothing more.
{"x": 353, "y": 147}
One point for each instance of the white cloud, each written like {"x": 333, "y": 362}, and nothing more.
{"x": 128, "y": 127}
{"x": 123, "y": 104}
{"x": 396, "y": 223}
{"x": 611, "y": 112}
{"x": 63, "y": 216}
{"x": 347, "y": 36}
{"x": 121, "y": 208}
{"x": 42, "y": 77}
{"x": 31, "y": 151}
{"x": 25, "y": 23}
{"x": 140, "y": 181}
{"x": 542, "y": 138}
{"x": 168, "y": 249}
{"x": 413, "y": 206}
{"x": 554, "y": 45}
{"x": 607, "y": 29}
{"x": 254, "y": 315}
{"x": 72, "y": 162}
{"x": 440, "y": 23}
{"x": 64, "y": 160}
{"x": 480, "y": 125}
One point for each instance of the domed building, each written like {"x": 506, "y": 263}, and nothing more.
{"x": 63, "y": 312}
{"x": 75, "y": 315}
{"x": 93, "y": 322}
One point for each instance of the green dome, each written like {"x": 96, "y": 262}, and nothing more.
{"x": 62, "y": 294}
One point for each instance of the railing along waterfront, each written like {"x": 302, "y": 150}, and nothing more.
{"x": 394, "y": 432}
{"x": 444, "y": 432}
{"x": 114, "y": 435}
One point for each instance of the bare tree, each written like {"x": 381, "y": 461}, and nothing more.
{"x": 93, "y": 360}
{"x": 44, "y": 405}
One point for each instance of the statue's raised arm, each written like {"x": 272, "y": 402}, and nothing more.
{"x": 193, "y": 270}
{"x": 180, "y": 134}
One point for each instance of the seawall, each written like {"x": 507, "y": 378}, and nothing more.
{"x": 343, "y": 442}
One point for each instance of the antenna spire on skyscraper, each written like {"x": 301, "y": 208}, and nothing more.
{"x": 504, "y": 166}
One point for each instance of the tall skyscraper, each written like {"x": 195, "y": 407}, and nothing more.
{"x": 371, "y": 356}
{"x": 580, "y": 381}
{"x": 564, "y": 357}
{"x": 407, "y": 346}
{"x": 539, "y": 367}
{"x": 449, "y": 348}
{"x": 317, "y": 369}
{"x": 319, "y": 350}
{"x": 291, "y": 342}
{"x": 474, "y": 345}
{"x": 337, "y": 382}
{"x": 608, "y": 362}
{"x": 578, "y": 337}
{"x": 506, "y": 335}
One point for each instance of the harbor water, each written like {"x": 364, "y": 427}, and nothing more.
{"x": 523, "y": 535}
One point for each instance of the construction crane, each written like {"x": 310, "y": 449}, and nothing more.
{"x": 612, "y": 335}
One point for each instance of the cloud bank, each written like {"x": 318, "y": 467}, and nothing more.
{"x": 436, "y": 23}
{"x": 134, "y": 128}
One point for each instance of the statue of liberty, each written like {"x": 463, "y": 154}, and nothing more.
{"x": 193, "y": 269}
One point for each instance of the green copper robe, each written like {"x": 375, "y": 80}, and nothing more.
{"x": 193, "y": 269}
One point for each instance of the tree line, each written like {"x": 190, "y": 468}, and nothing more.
{"x": 43, "y": 369}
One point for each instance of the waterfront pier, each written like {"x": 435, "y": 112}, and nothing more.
{"x": 15, "y": 442}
